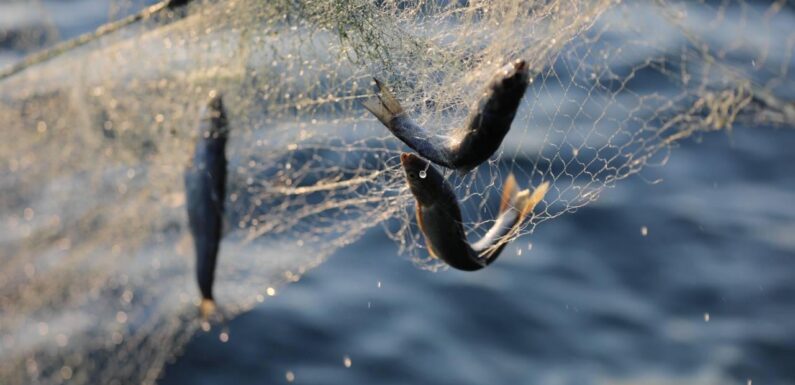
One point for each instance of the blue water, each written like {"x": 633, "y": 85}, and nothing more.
{"x": 706, "y": 296}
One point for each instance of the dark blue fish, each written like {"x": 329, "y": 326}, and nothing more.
{"x": 439, "y": 216}
{"x": 205, "y": 181}
{"x": 488, "y": 122}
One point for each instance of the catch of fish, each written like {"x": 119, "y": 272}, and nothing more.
{"x": 438, "y": 213}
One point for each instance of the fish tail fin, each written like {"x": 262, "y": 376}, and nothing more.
{"x": 514, "y": 208}
{"x": 207, "y": 308}
{"x": 525, "y": 201}
{"x": 384, "y": 105}
{"x": 509, "y": 193}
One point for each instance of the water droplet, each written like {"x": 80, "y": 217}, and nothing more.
{"x": 127, "y": 296}
{"x": 423, "y": 174}
{"x": 66, "y": 372}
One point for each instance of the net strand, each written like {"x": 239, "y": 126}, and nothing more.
{"x": 97, "y": 280}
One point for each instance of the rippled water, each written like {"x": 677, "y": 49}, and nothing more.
{"x": 704, "y": 297}
{"x": 688, "y": 280}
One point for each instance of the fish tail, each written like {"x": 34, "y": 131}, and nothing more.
{"x": 526, "y": 201}
{"x": 206, "y": 308}
{"x": 514, "y": 207}
{"x": 384, "y": 105}
{"x": 509, "y": 193}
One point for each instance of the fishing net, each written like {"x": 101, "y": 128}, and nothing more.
{"x": 97, "y": 283}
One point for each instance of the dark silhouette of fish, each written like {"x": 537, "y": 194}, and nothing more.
{"x": 439, "y": 216}
{"x": 488, "y": 122}
{"x": 205, "y": 182}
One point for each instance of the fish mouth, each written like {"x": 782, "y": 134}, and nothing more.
{"x": 415, "y": 167}
{"x": 411, "y": 161}
{"x": 213, "y": 116}
{"x": 215, "y": 106}
{"x": 517, "y": 68}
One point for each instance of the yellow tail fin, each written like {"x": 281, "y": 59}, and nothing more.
{"x": 509, "y": 193}
{"x": 526, "y": 202}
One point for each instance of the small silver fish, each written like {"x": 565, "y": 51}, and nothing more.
{"x": 439, "y": 216}
{"x": 205, "y": 182}
{"x": 488, "y": 122}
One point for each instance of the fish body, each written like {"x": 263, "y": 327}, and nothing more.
{"x": 491, "y": 117}
{"x": 205, "y": 182}
{"x": 439, "y": 216}
{"x": 489, "y": 121}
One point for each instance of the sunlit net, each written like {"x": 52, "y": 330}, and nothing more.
{"x": 97, "y": 284}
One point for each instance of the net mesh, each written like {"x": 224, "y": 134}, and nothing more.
{"x": 96, "y": 284}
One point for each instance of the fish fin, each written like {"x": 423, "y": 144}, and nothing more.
{"x": 206, "y": 308}
{"x": 384, "y": 105}
{"x": 509, "y": 193}
{"x": 526, "y": 202}
{"x": 388, "y": 99}
{"x": 509, "y": 221}
{"x": 422, "y": 229}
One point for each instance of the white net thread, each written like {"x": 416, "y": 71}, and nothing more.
{"x": 97, "y": 283}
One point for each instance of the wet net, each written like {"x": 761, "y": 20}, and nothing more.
{"x": 96, "y": 284}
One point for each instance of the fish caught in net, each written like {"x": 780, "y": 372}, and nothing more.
{"x": 97, "y": 282}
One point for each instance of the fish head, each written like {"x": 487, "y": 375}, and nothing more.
{"x": 425, "y": 182}
{"x": 214, "y": 124}
{"x": 513, "y": 77}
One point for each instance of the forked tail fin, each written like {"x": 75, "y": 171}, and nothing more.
{"x": 384, "y": 105}
{"x": 388, "y": 110}
{"x": 515, "y": 206}
{"x": 509, "y": 193}
{"x": 526, "y": 202}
